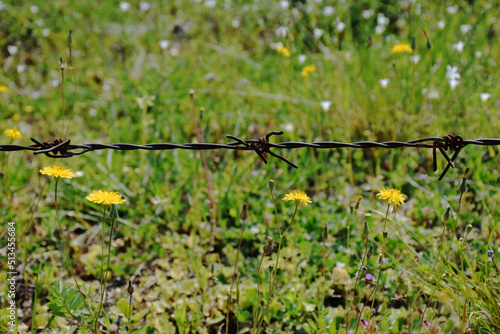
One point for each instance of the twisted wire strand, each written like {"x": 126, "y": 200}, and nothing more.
{"x": 64, "y": 149}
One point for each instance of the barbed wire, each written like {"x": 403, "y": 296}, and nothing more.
{"x": 63, "y": 148}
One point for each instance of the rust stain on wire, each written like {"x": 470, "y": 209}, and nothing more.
{"x": 64, "y": 149}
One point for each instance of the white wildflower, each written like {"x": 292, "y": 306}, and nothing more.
{"x": 367, "y": 13}
{"x": 415, "y": 59}
{"x": 325, "y": 105}
{"x": 465, "y": 28}
{"x": 12, "y": 49}
{"x": 124, "y": 6}
{"x": 284, "y": 4}
{"x": 328, "y": 10}
{"x": 318, "y": 32}
{"x": 458, "y": 46}
{"x": 144, "y": 6}
{"x": 340, "y": 26}
{"x": 484, "y": 96}
{"x": 164, "y": 44}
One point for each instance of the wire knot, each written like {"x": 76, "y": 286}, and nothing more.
{"x": 55, "y": 149}
{"x": 262, "y": 146}
{"x": 453, "y": 142}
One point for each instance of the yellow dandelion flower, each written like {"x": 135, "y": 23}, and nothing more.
{"x": 308, "y": 70}
{"x": 284, "y": 51}
{"x": 105, "y": 197}
{"x": 4, "y": 89}
{"x": 58, "y": 171}
{"x": 13, "y": 133}
{"x": 297, "y": 196}
{"x": 391, "y": 195}
{"x": 401, "y": 48}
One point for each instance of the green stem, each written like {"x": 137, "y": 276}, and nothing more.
{"x": 67, "y": 255}
{"x": 379, "y": 272}
{"x": 256, "y": 316}
{"x": 234, "y": 274}
{"x": 275, "y": 270}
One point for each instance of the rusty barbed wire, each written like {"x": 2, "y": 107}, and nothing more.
{"x": 63, "y": 148}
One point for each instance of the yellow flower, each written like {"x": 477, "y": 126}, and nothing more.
{"x": 13, "y": 133}
{"x": 4, "y": 89}
{"x": 105, "y": 197}
{"x": 58, "y": 171}
{"x": 284, "y": 51}
{"x": 297, "y": 196}
{"x": 308, "y": 70}
{"x": 391, "y": 195}
{"x": 401, "y": 48}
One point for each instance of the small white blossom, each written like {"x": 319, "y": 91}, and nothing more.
{"x": 210, "y": 3}
{"x": 34, "y": 9}
{"x": 164, "y": 44}
{"x": 465, "y": 28}
{"x": 281, "y": 31}
{"x": 382, "y": 20}
{"x": 452, "y": 72}
{"x": 144, "y": 6}
{"x": 453, "y": 83}
{"x": 288, "y": 127}
{"x": 452, "y": 9}
{"x": 379, "y": 29}
{"x": 325, "y": 105}
{"x": 458, "y": 46}
{"x": 328, "y": 10}
{"x": 367, "y": 13}
{"x": 478, "y": 54}
{"x": 433, "y": 94}
{"x": 12, "y": 49}
{"x": 318, "y": 32}
{"x": 441, "y": 24}
{"x": 124, "y": 6}
{"x": 302, "y": 59}
{"x": 235, "y": 23}
{"x": 484, "y": 96}
{"x": 21, "y": 68}
{"x": 415, "y": 59}
{"x": 2, "y": 5}
{"x": 46, "y": 32}
{"x": 284, "y": 4}
{"x": 383, "y": 83}
{"x": 340, "y": 26}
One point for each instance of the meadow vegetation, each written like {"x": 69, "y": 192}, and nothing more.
{"x": 180, "y": 241}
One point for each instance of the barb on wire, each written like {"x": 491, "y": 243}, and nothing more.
{"x": 60, "y": 148}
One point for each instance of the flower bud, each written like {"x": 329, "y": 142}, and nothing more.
{"x": 463, "y": 185}
{"x": 369, "y": 253}
{"x": 271, "y": 186}
{"x": 366, "y": 230}
{"x": 357, "y": 203}
{"x": 446, "y": 215}
{"x": 268, "y": 248}
{"x": 468, "y": 229}
{"x": 244, "y": 212}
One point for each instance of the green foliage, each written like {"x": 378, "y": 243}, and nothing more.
{"x": 65, "y": 302}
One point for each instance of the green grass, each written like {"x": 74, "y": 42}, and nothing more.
{"x": 162, "y": 241}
